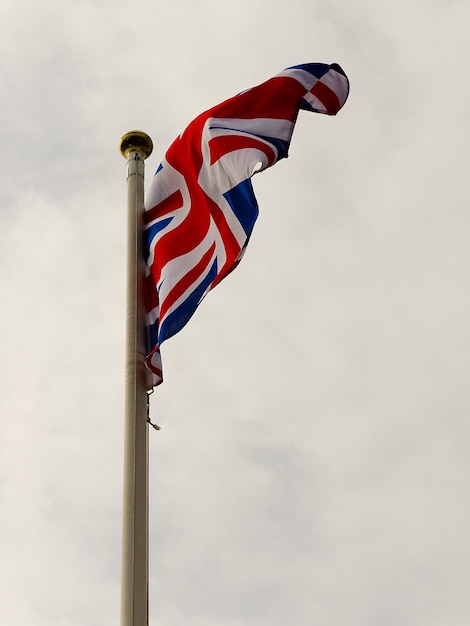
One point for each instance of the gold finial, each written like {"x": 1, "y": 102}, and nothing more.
{"x": 136, "y": 141}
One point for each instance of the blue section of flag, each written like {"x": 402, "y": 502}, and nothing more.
{"x": 315, "y": 69}
{"x": 153, "y": 230}
{"x": 244, "y": 205}
{"x": 175, "y": 321}
{"x": 151, "y": 335}
{"x": 280, "y": 144}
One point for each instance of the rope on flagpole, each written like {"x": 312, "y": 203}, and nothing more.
{"x": 149, "y": 421}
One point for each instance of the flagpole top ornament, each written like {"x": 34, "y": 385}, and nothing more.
{"x": 136, "y": 141}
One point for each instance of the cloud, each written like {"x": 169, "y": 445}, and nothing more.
{"x": 312, "y": 459}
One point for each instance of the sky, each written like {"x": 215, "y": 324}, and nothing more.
{"x": 313, "y": 461}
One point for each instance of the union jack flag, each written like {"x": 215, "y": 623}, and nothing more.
{"x": 201, "y": 208}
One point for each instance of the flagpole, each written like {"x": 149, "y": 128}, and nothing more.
{"x": 135, "y": 146}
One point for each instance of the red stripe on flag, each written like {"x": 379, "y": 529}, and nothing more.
{"x": 277, "y": 98}
{"x": 187, "y": 280}
{"x": 327, "y": 96}
{"x": 224, "y": 144}
{"x": 171, "y": 203}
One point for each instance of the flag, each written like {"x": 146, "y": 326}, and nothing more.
{"x": 201, "y": 208}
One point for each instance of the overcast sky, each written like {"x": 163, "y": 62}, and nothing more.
{"x": 314, "y": 459}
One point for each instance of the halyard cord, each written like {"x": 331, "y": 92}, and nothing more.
{"x": 155, "y": 426}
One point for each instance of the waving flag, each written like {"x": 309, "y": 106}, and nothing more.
{"x": 201, "y": 208}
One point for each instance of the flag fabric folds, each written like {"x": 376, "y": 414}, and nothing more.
{"x": 201, "y": 208}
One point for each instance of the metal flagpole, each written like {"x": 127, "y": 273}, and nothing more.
{"x": 135, "y": 146}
